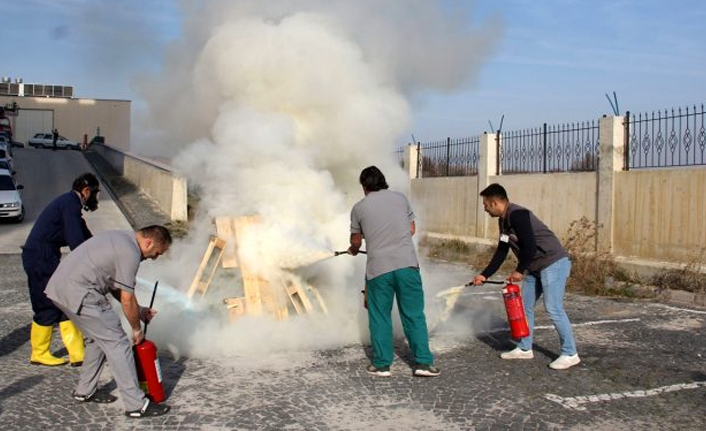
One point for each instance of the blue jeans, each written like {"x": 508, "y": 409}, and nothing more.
{"x": 551, "y": 281}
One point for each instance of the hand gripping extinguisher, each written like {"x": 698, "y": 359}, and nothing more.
{"x": 149, "y": 373}
{"x": 515, "y": 311}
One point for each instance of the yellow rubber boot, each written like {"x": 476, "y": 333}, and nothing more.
{"x": 40, "y": 338}
{"x": 73, "y": 340}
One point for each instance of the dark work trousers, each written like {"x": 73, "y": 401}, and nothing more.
{"x": 39, "y": 266}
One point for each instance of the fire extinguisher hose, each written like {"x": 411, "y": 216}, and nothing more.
{"x": 154, "y": 293}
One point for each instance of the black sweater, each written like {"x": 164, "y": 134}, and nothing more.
{"x": 533, "y": 243}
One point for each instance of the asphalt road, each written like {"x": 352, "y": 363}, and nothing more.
{"x": 45, "y": 174}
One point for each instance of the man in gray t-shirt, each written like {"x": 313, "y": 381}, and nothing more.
{"x": 386, "y": 221}
{"x": 107, "y": 264}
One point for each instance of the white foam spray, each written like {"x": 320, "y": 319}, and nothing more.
{"x": 272, "y": 109}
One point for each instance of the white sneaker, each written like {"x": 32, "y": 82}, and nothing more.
{"x": 565, "y": 361}
{"x": 517, "y": 353}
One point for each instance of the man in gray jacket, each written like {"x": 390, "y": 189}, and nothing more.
{"x": 543, "y": 267}
{"x": 107, "y": 264}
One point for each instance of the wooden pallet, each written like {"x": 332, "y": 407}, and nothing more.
{"x": 259, "y": 294}
{"x": 209, "y": 265}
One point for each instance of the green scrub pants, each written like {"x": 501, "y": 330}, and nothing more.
{"x": 406, "y": 284}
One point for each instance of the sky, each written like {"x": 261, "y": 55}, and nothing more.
{"x": 549, "y": 61}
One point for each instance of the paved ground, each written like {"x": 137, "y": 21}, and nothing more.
{"x": 644, "y": 368}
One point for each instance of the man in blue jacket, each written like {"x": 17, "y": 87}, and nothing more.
{"x": 60, "y": 224}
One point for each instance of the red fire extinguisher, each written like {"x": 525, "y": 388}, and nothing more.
{"x": 149, "y": 372}
{"x": 515, "y": 311}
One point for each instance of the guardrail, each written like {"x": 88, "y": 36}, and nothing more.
{"x": 157, "y": 180}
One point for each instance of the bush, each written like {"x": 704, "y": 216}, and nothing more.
{"x": 690, "y": 277}
{"x": 593, "y": 272}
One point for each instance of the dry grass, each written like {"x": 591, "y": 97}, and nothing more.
{"x": 691, "y": 277}
{"x": 594, "y": 272}
{"x": 475, "y": 255}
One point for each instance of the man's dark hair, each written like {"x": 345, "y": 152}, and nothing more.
{"x": 157, "y": 233}
{"x": 494, "y": 191}
{"x": 85, "y": 180}
{"x": 372, "y": 179}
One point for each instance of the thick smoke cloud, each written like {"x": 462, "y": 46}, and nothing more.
{"x": 273, "y": 108}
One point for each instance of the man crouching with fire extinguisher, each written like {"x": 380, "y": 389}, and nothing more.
{"x": 545, "y": 263}
{"x": 108, "y": 264}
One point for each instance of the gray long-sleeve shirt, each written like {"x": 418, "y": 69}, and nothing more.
{"x": 109, "y": 260}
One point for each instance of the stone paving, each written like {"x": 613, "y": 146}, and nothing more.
{"x": 643, "y": 368}
{"x": 647, "y": 346}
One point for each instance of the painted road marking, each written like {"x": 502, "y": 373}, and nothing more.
{"x": 688, "y": 310}
{"x": 595, "y": 322}
{"x": 591, "y": 323}
{"x": 577, "y": 403}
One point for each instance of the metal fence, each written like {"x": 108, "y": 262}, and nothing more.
{"x": 399, "y": 154}
{"x": 665, "y": 138}
{"x": 660, "y": 139}
{"x": 559, "y": 148}
{"x": 448, "y": 158}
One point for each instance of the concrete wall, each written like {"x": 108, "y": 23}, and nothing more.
{"x": 445, "y": 205}
{"x": 76, "y": 117}
{"x": 655, "y": 214}
{"x": 157, "y": 180}
{"x": 557, "y": 199}
{"x": 448, "y": 205}
{"x": 659, "y": 214}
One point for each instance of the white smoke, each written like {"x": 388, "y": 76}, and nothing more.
{"x": 273, "y": 108}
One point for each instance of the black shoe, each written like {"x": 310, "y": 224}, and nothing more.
{"x": 149, "y": 409}
{"x": 76, "y": 364}
{"x": 425, "y": 370}
{"x": 378, "y": 371}
{"x": 95, "y": 397}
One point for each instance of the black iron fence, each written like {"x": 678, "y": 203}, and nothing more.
{"x": 665, "y": 138}
{"x": 448, "y": 158}
{"x": 399, "y": 154}
{"x": 559, "y": 148}
{"x": 661, "y": 139}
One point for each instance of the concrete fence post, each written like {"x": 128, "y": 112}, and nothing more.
{"x": 411, "y": 160}
{"x": 610, "y": 154}
{"x": 487, "y": 167}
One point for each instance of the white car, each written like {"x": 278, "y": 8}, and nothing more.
{"x": 7, "y": 156}
{"x": 11, "y": 206}
{"x": 5, "y": 164}
{"x": 46, "y": 140}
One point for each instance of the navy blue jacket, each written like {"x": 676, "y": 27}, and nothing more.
{"x": 60, "y": 224}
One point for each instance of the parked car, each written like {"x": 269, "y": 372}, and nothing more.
{"x": 14, "y": 144}
{"x": 5, "y": 155}
{"x": 11, "y": 206}
{"x": 46, "y": 140}
{"x": 4, "y": 164}
{"x": 5, "y": 145}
